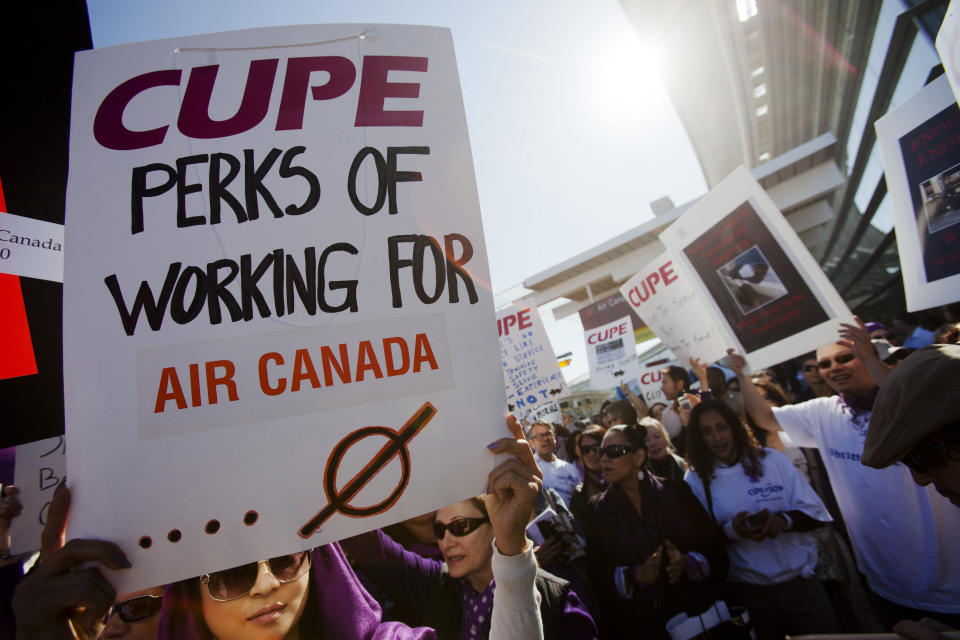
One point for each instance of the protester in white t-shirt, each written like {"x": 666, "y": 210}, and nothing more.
{"x": 558, "y": 474}
{"x": 766, "y": 509}
{"x": 904, "y": 536}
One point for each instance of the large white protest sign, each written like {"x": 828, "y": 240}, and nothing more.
{"x": 612, "y": 354}
{"x": 762, "y": 288}
{"x": 31, "y": 248}
{"x": 670, "y": 306}
{"x": 531, "y": 374}
{"x": 921, "y": 161}
{"x": 275, "y": 315}
{"x": 39, "y": 468}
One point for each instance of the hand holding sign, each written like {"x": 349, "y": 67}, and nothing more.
{"x": 513, "y": 489}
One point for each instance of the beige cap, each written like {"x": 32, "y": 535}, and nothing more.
{"x": 919, "y": 397}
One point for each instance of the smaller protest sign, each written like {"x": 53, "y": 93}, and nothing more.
{"x": 670, "y": 305}
{"x": 761, "y": 287}
{"x": 610, "y": 309}
{"x": 948, "y": 46}
{"x": 531, "y": 375}
{"x": 40, "y": 467}
{"x": 921, "y": 159}
{"x": 31, "y": 248}
{"x": 611, "y": 354}
{"x": 649, "y": 385}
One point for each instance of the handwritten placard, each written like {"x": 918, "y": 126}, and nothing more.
{"x": 531, "y": 374}
{"x": 40, "y": 467}
{"x": 670, "y": 306}
{"x": 275, "y": 268}
{"x": 612, "y": 354}
{"x": 761, "y": 288}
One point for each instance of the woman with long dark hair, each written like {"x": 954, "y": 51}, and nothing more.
{"x": 766, "y": 509}
{"x": 655, "y": 553}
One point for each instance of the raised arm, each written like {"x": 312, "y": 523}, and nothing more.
{"x": 753, "y": 402}
{"x": 638, "y": 403}
{"x": 857, "y": 339}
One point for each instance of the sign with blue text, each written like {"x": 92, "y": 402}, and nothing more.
{"x": 276, "y": 267}
{"x": 531, "y": 375}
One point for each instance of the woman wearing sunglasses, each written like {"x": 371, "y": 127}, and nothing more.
{"x": 134, "y": 616}
{"x": 316, "y": 594}
{"x": 656, "y": 553}
{"x": 483, "y": 550}
{"x": 587, "y": 446}
{"x": 767, "y": 509}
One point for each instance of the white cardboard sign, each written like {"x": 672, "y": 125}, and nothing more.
{"x": 921, "y": 160}
{"x": 275, "y": 268}
{"x": 612, "y": 354}
{"x": 531, "y": 374}
{"x": 39, "y": 468}
{"x": 671, "y": 307}
{"x": 762, "y": 288}
{"x": 31, "y": 248}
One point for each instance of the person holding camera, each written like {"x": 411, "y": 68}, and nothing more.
{"x": 766, "y": 509}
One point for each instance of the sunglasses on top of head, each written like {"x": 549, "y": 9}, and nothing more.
{"x": 136, "y": 609}
{"x": 615, "y": 451}
{"x": 840, "y": 358}
{"x": 235, "y": 583}
{"x": 459, "y": 527}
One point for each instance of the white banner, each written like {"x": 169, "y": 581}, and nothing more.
{"x": 612, "y": 354}
{"x": 762, "y": 288}
{"x": 921, "y": 160}
{"x": 531, "y": 374}
{"x": 276, "y": 266}
{"x": 671, "y": 307}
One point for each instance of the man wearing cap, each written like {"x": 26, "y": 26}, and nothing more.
{"x": 905, "y": 537}
{"x": 916, "y": 420}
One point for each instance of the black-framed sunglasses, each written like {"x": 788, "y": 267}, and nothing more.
{"x": 137, "y": 609}
{"x": 235, "y": 583}
{"x": 615, "y": 451}
{"x": 840, "y": 358}
{"x": 542, "y": 435}
{"x": 586, "y": 449}
{"x": 809, "y": 368}
{"x": 458, "y": 528}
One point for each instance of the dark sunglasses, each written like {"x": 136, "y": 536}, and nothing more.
{"x": 928, "y": 455}
{"x": 235, "y": 583}
{"x": 615, "y": 451}
{"x": 458, "y": 528}
{"x": 809, "y": 367}
{"x": 587, "y": 449}
{"x": 841, "y": 358}
{"x": 137, "y": 609}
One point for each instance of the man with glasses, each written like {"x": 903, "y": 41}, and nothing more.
{"x": 916, "y": 420}
{"x": 904, "y": 537}
{"x": 558, "y": 474}
{"x": 811, "y": 375}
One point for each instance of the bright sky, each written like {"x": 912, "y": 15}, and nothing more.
{"x": 572, "y": 134}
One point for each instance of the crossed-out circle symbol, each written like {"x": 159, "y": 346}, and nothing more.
{"x": 396, "y": 446}
{"x": 338, "y": 500}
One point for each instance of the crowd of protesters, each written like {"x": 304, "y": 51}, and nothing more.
{"x": 810, "y": 498}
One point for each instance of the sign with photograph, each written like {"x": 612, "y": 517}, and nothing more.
{"x": 921, "y": 158}
{"x": 762, "y": 288}
{"x": 39, "y": 468}
{"x": 276, "y": 267}
{"x": 670, "y": 305}
{"x": 612, "y": 355}
{"x": 531, "y": 374}
{"x": 610, "y": 309}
